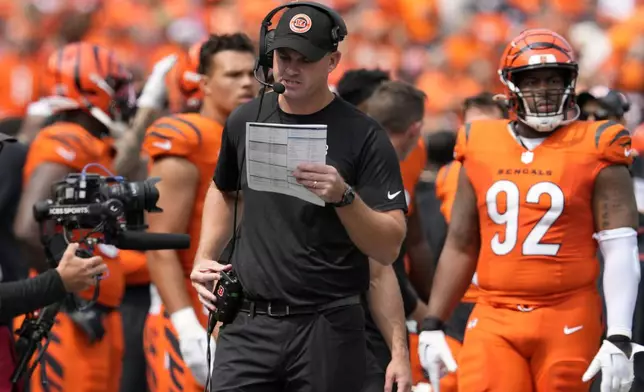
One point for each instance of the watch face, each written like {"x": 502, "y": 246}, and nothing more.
{"x": 349, "y": 196}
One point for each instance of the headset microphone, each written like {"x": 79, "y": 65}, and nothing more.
{"x": 277, "y": 87}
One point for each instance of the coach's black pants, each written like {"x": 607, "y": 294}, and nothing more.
{"x": 321, "y": 352}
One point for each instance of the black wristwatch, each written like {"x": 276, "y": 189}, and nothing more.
{"x": 347, "y": 198}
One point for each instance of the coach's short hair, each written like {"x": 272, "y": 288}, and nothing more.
{"x": 396, "y": 105}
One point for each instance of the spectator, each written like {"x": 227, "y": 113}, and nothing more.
{"x": 602, "y": 103}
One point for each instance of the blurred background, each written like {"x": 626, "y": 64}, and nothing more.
{"x": 448, "y": 48}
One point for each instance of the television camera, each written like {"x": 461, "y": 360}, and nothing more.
{"x": 94, "y": 211}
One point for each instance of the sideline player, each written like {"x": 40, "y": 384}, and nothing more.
{"x": 86, "y": 348}
{"x": 399, "y": 108}
{"x": 478, "y": 107}
{"x": 355, "y": 87}
{"x": 532, "y": 194}
{"x": 183, "y": 149}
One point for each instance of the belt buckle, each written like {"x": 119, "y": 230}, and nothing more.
{"x": 287, "y": 311}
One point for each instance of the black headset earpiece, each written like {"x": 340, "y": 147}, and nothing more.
{"x": 268, "y": 40}
{"x": 265, "y": 59}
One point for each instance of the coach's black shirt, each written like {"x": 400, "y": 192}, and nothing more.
{"x": 293, "y": 251}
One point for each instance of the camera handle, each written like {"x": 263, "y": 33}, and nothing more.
{"x": 34, "y": 329}
{"x": 31, "y": 332}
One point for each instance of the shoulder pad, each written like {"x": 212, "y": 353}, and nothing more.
{"x": 462, "y": 139}
{"x": 64, "y": 143}
{"x": 172, "y": 135}
{"x": 612, "y": 142}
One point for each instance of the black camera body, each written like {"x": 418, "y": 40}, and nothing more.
{"x": 89, "y": 199}
{"x": 228, "y": 292}
{"x": 89, "y": 209}
{"x": 105, "y": 205}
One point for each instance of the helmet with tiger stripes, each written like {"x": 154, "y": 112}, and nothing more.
{"x": 94, "y": 79}
{"x": 542, "y": 108}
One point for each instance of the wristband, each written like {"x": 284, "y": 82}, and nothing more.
{"x": 432, "y": 324}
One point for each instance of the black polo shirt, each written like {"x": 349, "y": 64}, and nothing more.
{"x": 293, "y": 251}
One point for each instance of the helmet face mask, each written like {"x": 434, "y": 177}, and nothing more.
{"x": 543, "y": 97}
{"x": 540, "y": 74}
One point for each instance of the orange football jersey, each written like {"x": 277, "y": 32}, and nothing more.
{"x": 535, "y": 207}
{"x": 71, "y": 145}
{"x": 197, "y": 139}
{"x": 446, "y": 186}
{"x": 411, "y": 168}
{"x": 135, "y": 267}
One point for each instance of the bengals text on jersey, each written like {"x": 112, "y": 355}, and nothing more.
{"x": 538, "y": 311}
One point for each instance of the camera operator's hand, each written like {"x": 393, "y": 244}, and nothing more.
{"x": 78, "y": 273}
{"x": 204, "y": 277}
{"x": 193, "y": 343}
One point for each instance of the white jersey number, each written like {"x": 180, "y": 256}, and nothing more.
{"x": 510, "y": 218}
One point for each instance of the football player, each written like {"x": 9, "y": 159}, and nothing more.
{"x": 534, "y": 194}
{"x": 183, "y": 150}
{"x": 86, "y": 348}
{"x": 479, "y": 107}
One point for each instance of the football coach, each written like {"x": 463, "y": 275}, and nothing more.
{"x": 302, "y": 267}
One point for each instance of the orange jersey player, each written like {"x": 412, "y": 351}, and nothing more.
{"x": 418, "y": 258}
{"x": 372, "y": 92}
{"x": 534, "y": 194}
{"x": 183, "y": 150}
{"x": 85, "y": 350}
{"x": 399, "y": 108}
{"x": 411, "y": 167}
{"x": 479, "y": 107}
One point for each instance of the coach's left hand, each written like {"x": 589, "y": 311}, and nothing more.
{"x": 323, "y": 180}
{"x": 399, "y": 372}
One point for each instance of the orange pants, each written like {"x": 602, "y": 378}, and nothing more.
{"x": 542, "y": 349}
{"x": 449, "y": 382}
{"x": 166, "y": 370}
{"x": 73, "y": 364}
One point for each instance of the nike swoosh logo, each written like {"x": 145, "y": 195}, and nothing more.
{"x": 391, "y": 196}
{"x": 164, "y": 146}
{"x": 65, "y": 153}
{"x": 568, "y": 331}
{"x": 628, "y": 152}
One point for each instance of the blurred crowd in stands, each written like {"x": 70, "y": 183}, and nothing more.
{"x": 448, "y": 48}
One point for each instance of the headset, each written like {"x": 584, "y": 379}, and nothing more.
{"x": 266, "y": 36}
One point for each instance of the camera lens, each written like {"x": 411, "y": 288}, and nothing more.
{"x": 144, "y": 194}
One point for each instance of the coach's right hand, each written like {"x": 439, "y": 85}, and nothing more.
{"x": 435, "y": 355}
{"x": 78, "y": 273}
{"x": 204, "y": 277}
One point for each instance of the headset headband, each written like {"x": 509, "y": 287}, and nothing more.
{"x": 337, "y": 19}
{"x": 265, "y": 59}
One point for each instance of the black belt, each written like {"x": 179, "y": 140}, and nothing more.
{"x": 275, "y": 309}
